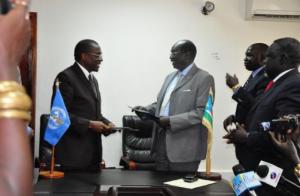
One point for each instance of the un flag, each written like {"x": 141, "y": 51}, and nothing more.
{"x": 59, "y": 120}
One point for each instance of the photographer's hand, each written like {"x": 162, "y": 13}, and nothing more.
{"x": 15, "y": 34}
{"x": 285, "y": 145}
{"x": 139, "y": 108}
{"x": 237, "y": 136}
{"x": 228, "y": 121}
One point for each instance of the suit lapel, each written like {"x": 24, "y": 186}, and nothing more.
{"x": 187, "y": 77}
{"x": 164, "y": 89}
{"x": 257, "y": 79}
{"x": 184, "y": 80}
{"x": 266, "y": 94}
{"x": 84, "y": 80}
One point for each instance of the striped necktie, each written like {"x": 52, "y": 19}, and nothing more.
{"x": 269, "y": 85}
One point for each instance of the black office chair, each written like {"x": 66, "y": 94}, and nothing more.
{"x": 137, "y": 144}
{"x": 45, "y": 151}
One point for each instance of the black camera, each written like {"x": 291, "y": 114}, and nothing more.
{"x": 281, "y": 125}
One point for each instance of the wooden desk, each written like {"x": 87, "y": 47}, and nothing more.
{"x": 84, "y": 184}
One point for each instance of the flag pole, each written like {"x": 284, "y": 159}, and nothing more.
{"x": 52, "y": 173}
{"x": 208, "y": 175}
{"x": 52, "y": 160}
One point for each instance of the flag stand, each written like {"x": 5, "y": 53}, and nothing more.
{"x": 208, "y": 175}
{"x": 52, "y": 174}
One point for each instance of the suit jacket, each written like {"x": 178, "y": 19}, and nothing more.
{"x": 80, "y": 147}
{"x": 282, "y": 99}
{"x": 186, "y": 140}
{"x": 245, "y": 96}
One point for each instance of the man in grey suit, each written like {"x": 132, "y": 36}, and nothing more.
{"x": 180, "y": 139}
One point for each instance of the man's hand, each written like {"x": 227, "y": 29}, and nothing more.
{"x": 237, "y": 136}
{"x": 228, "y": 121}
{"x": 164, "y": 122}
{"x": 111, "y": 126}
{"x": 139, "y": 108}
{"x": 99, "y": 127}
{"x": 285, "y": 145}
{"x": 141, "y": 114}
{"x": 231, "y": 81}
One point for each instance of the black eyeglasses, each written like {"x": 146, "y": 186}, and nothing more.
{"x": 176, "y": 53}
{"x": 95, "y": 55}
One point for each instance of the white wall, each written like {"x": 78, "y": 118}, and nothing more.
{"x": 136, "y": 37}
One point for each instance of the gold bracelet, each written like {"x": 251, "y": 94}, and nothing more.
{"x": 7, "y": 86}
{"x": 14, "y": 102}
{"x": 297, "y": 170}
{"x": 235, "y": 87}
{"x": 15, "y": 114}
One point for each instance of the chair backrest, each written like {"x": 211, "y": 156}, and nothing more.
{"x": 45, "y": 151}
{"x": 136, "y": 145}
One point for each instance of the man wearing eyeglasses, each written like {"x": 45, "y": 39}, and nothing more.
{"x": 180, "y": 139}
{"x": 80, "y": 149}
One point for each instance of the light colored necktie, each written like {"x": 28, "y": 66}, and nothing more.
{"x": 168, "y": 93}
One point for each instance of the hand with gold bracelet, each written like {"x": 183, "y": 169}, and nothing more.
{"x": 16, "y": 162}
{"x": 232, "y": 81}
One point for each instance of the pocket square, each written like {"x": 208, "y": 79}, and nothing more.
{"x": 186, "y": 90}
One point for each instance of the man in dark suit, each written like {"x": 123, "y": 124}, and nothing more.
{"x": 180, "y": 143}
{"x": 81, "y": 148}
{"x": 253, "y": 87}
{"x": 281, "y": 97}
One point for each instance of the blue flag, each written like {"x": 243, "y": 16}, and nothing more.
{"x": 59, "y": 120}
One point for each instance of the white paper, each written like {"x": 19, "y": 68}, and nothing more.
{"x": 189, "y": 185}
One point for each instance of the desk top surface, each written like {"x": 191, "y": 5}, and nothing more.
{"x": 89, "y": 183}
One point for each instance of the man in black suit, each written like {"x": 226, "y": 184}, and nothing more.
{"x": 81, "y": 148}
{"x": 281, "y": 97}
{"x": 253, "y": 87}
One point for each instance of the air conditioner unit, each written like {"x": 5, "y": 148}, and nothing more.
{"x": 280, "y": 10}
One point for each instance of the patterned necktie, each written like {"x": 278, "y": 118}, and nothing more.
{"x": 92, "y": 83}
{"x": 269, "y": 85}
